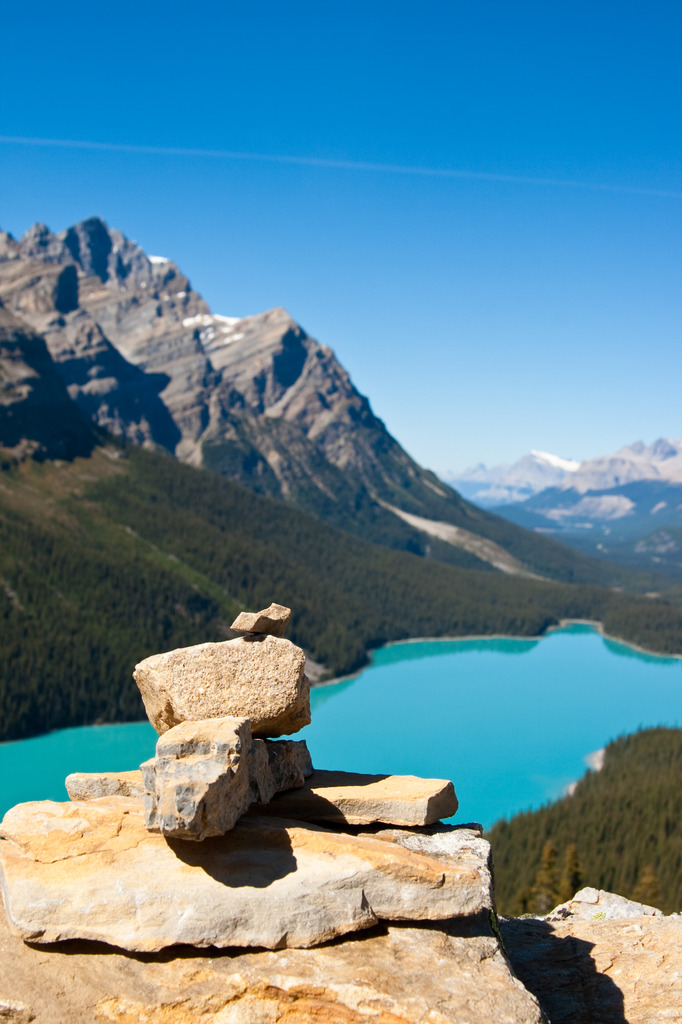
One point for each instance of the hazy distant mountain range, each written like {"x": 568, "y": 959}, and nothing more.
{"x": 500, "y": 485}
{"x": 255, "y": 399}
{"x": 626, "y": 506}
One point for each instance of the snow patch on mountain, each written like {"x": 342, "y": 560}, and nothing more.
{"x": 503, "y": 484}
{"x": 661, "y": 460}
{"x": 568, "y": 465}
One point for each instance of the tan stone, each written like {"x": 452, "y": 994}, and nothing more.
{"x": 260, "y": 678}
{"x": 207, "y": 774}
{"x": 92, "y": 785}
{"x": 447, "y": 973}
{"x": 273, "y": 620}
{"x": 600, "y": 970}
{"x": 18, "y": 1013}
{"x": 92, "y": 870}
{"x": 347, "y": 797}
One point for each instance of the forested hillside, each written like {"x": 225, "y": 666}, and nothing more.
{"x": 108, "y": 559}
{"x": 621, "y": 830}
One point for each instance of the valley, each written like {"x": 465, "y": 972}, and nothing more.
{"x": 163, "y": 467}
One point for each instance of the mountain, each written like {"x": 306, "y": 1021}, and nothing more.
{"x": 626, "y": 507}
{"x": 113, "y": 373}
{"x": 503, "y": 484}
{"x": 660, "y": 461}
{"x": 37, "y": 417}
{"x": 254, "y": 399}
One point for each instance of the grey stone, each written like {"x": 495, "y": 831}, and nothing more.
{"x": 596, "y": 904}
{"x": 600, "y": 971}
{"x": 207, "y": 774}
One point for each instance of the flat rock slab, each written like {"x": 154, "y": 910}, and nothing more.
{"x": 91, "y": 870}
{"x": 93, "y": 785}
{"x": 452, "y": 973}
{"x": 260, "y": 678}
{"x": 353, "y": 799}
{"x": 288, "y": 765}
{"x": 273, "y": 620}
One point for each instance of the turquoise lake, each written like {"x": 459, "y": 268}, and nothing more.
{"x": 509, "y": 721}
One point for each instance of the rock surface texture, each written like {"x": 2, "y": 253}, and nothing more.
{"x": 260, "y": 678}
{"x": 199, "y": 783}
{"x": 452, "y": 973}
{"x": 92, "y": 785}
{"x": 207, "y": 774}
{"x": 354, "y": 799}
{"x": 92, "y": 870}
{"x": 600, "y": 971}
{"x": 37, "y": 417}
{"x": 597, "y": 905}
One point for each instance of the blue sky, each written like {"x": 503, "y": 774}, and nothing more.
{"x": 478, "y": 204}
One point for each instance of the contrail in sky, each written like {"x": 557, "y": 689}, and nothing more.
{"x": 344, "y": 165}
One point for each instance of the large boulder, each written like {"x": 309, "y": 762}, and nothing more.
{"x": 91, "y": 870}
{"x": 261, "y": 678}
{"x": 354, "y": 799}
{"x": 207, "y": 774}
{"x": 600, "y": 970}
{"x": 443, "y": 973}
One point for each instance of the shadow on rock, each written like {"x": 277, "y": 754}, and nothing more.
{"x": 253, "y": 856}
{"x": 561, "y": 974}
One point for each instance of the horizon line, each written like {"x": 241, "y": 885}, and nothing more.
{"x": 336, "y": 164}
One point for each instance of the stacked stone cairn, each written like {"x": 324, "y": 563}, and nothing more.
{"x": 228, "y": 837}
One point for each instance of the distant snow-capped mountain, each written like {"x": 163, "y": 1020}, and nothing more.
{"x": 660, "y": 461}
{"x": 503, "y": 484}
{"x": 626, "y": 507}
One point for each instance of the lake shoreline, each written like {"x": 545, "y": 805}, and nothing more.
{"x": 562, "y": 624}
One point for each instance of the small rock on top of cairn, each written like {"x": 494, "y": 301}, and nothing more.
{"x": 273, "y": 621}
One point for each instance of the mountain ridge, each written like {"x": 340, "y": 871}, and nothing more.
{"x": 254, "y": 399}
{"x": 538, "y": 470}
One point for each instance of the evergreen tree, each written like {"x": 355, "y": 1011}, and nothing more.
{"x": 571, "y": 876}
{"x": 627, "y": 815}
{"x": 546, "y": 881}
{"x": 522, "y": 903}
{"x": 648, "y": 889}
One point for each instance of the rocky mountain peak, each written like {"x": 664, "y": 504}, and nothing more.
{"x": 254, "y": 398}
{"x": 9, "y": 247}
{"x": 90, "y": 245}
